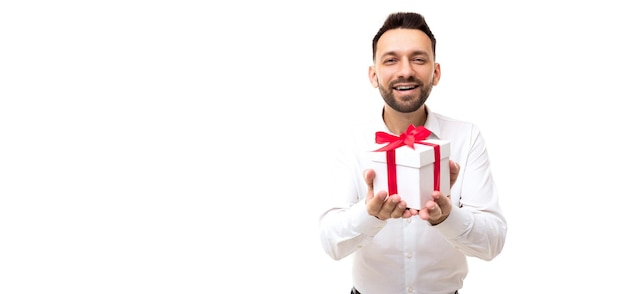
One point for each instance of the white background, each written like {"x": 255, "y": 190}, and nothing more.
{"x": 173, "y": 146}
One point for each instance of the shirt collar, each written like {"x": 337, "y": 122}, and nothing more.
{"x": 432, "y": 124}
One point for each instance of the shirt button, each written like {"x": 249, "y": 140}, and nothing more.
{"x": 408, "y": 220}
{"x": 409, "y": 255}
{"x": 410, "y": 290}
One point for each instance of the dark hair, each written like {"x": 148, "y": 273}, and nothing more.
{"x": 404, "y": 20}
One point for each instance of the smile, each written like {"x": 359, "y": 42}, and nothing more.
{"x": 404, "y": 88}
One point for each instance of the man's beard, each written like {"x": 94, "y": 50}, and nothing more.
{"x": 406, "y": 103}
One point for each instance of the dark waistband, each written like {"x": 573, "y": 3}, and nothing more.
{"x": 355, "y": 291}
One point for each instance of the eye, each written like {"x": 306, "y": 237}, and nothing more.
{"x": 389, "y": 61}
{"x": 419, "y": 60}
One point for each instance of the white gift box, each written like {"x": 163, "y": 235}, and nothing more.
{"x": 415, "y": 172}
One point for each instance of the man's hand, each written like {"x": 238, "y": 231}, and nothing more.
{"x": 381, "y": 206}
{"x": 436, "y": 210}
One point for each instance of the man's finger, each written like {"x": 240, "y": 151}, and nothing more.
{"x": 455, "y": 169}
{"x": 369, "y": 175}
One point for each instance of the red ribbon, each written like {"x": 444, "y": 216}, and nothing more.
{"x": 412, "y": 135}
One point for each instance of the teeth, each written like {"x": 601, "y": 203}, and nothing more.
{"x": 405, "y": 87}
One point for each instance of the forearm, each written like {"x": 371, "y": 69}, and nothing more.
{"x": 345, "y": 230}
{"x": 476, "y": 233}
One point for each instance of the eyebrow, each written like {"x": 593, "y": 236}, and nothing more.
{"x": 416, "y": 52}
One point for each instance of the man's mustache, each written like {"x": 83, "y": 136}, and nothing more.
{"x": 412, "y": 80}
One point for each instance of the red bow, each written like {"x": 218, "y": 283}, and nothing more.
{"x": 409, "y": 137}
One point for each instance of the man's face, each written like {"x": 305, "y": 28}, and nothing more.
{"x": 404, "y": 70}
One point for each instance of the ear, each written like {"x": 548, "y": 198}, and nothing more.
{"x": 436, "y": 74}
{"x": 373, "y": 77}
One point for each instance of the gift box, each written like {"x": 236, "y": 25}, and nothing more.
{"x": 412, "y": 166}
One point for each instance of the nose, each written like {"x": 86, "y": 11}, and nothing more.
{"x": 405, "y": 69}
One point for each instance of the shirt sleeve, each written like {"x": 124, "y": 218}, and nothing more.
{"x": 476, "y": 226}
{"x": 345, "y": 225}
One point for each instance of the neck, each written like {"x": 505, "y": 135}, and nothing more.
{"x": 397, "y": 122}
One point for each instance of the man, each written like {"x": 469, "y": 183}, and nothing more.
{"x": 397, "y": 249}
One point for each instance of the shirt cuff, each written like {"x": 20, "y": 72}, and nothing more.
{"x": 455, "y": 224}
{"x": 364, "y": 223}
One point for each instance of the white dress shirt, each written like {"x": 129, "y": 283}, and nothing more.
{"x": 410, "y": 255}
